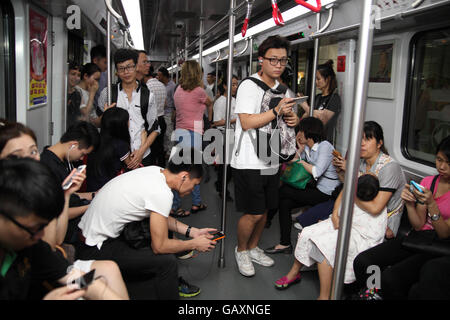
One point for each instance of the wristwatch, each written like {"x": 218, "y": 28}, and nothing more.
{"x": 435, "y": 216}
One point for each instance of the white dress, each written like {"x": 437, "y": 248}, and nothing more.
{"x": 367, "y": 231}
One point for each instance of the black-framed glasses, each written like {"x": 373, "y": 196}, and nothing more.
{"x": 128, "y": 68}
{"x": 21, "y": 226}
{"x": 274, "y": 61}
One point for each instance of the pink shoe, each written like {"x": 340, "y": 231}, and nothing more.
{"x": 284, "y": 283}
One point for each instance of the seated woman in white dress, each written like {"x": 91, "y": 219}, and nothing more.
{"x": 317, "y": 243}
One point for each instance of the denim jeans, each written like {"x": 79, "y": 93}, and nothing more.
{"x": 187, "y": 138}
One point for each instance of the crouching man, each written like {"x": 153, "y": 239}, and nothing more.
{"x": 146, "y": 193}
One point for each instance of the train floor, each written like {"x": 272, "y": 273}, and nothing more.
{"x": 227, "y": 283}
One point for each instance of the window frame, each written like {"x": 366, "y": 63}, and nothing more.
{"x": 412, "y": 64}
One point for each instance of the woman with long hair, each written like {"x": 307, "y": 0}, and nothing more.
{"x": 427, "y": 211}
{"x": 327, "y": 104}
{"x": 114, "y": 152}
{"x": 190, "y": 102}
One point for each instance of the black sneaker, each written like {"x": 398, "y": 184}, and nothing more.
{"x": 187, "y": 290}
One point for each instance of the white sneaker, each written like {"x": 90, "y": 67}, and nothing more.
{"x": 244, "y": 263}
{"x": 257, "y": 255}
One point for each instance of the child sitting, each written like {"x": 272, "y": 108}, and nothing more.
{"x": 317, "y": 243}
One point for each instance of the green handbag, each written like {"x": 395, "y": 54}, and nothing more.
{"x": 296, "y": 175}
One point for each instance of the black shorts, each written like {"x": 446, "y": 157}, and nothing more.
{"x": 255, "y": 193}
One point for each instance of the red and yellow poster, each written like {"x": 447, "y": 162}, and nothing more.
{"x": 38, "y": 59}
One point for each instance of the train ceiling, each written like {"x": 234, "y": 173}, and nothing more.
{"x": 167, "y": 23}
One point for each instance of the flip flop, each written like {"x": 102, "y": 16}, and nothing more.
{"x": 179, "y": 213}
{"x": 200, "y": 207}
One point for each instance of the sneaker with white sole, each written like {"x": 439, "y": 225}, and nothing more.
{"x": 257, "y": 255}
{"x": 244, "y": 263}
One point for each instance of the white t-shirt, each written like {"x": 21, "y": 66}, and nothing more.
{"x": 220, "y": 108}
{"x": 128, "y": 197}
{"x": 248, "y": 100}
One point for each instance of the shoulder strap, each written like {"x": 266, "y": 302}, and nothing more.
{"x": 114, "y": 92}
{"x": 258, "y": 82}
{"x": 145, "y": 95}
{"x": 433, "y": 183}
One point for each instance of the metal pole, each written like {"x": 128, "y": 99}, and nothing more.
{"x": 316, "y": 61}
{"x": 66, "y": 92}
{"x": 231, "y": 27}
{"x": 200, "y": 43}
{"x": 250, "y": 69}
{"x": 351, "y": 175}
{"x": 186, "y": 42}
{"x": 108, "y": 55}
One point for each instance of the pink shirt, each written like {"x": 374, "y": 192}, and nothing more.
{"x": 443, "y": 202}
{"x": 190, "y": 107}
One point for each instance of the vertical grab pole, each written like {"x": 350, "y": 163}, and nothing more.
{"x": 314, "y": 71}
{"x": 360, "y": 98}
{"x": 108, "y": 55}
{"x": 231, "y": 28}
{"x": 200, "y": 41}
{"x": 250, "y": 69}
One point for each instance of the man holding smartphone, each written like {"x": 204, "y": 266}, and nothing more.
{"x": 78, "y": 141}
{"x": 145, "y": 194}
{"x": 31, "y": 197}
{"x": 257, "y": 182}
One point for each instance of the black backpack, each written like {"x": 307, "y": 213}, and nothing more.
{"x": 286, "y": 138}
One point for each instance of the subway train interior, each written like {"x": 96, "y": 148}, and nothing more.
{"x": 397, "y": 73}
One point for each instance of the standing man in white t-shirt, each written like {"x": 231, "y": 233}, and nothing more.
{"x": 145, "y": 193}
{"x": 257, "y": 182}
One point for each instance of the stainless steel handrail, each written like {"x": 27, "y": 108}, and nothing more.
{"x": 351, "y": 174}
{"x": 231, "y": 28}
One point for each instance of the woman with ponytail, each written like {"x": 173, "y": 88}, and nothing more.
{"x": 327, "y": 104}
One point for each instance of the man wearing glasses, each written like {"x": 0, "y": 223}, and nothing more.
{"x": 140, "y": 103}
{"x": 31, "y": 197}
{"x": 256, "y": 184}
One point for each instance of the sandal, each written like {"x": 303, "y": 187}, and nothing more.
{"x": 179, "y": 213}
{"x": 284, "y": 283}
{"x": 200, "y": 207}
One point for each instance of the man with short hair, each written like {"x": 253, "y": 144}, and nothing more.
{"x": 78, "y": 141}
{"x": 169, "y": 107}
{"x": 159, "y": 90}
{"x": 31, "y": 197}
{"x": 145, "y": 195}
{"x": 256, "y": 184}
{"x": 139, "y": 102}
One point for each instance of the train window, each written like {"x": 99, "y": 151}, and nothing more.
{"x": 427, "y": 106}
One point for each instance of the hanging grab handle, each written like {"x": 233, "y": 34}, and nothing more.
{"x": 276, "y": 14}
{"x": 247, "y": 17}
{"x": 310, "y": 7}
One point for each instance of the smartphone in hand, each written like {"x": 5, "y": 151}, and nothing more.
{"x": 69, "y": 182}
{"x": 218, "y": 235}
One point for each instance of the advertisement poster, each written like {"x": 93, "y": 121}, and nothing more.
{"x": 38, "y": 59}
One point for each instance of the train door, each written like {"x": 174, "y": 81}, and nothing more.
{"x": 7, "y": 63}
{"x": 38, "y": 57}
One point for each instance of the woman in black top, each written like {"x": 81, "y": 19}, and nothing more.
{"x": 327, "y": 105}
{"x": 114, "y": 151}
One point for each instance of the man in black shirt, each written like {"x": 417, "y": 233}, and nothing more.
{"x": 30, "y": 197}
{"x": 79, "y": 140}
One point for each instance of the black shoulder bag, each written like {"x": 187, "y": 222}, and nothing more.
{"x": 427, "y": 241}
